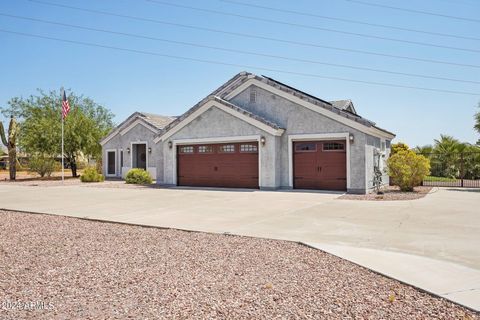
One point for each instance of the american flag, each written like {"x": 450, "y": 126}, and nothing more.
{"x": 65, "y": 106}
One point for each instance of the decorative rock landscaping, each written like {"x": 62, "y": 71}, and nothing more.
{"x": 82, "y": 269}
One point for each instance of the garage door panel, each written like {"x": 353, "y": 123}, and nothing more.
{"x": 219, "y": 168}
{"x": 320, "y": 165}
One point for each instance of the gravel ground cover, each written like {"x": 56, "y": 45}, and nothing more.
{"x": 84, "y": 269}
{"x": 56, "y": 182}
{"x": 26, "y": 175}
{"x": 46, "y": 182}
{"x": 390, "y": 193}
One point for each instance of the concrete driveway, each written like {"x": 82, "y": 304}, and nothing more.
{"x": 421, "y": 242}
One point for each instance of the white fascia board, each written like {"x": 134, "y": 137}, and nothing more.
{"x": 109, "y": 137}
{"x": 207, "y": 106}
{"x": 135, "y": 123}
{"x": 327, "y": 113}
{"x": 127, "y": 129}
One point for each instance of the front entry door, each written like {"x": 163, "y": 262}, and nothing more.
{"x": 140, "y": 156}
{"x": 320, "y": 165}
{"x": 111, "y": 166}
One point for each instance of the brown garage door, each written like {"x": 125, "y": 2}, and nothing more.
{"x": 320, "y": 165}
{"x": 231, "y": 165}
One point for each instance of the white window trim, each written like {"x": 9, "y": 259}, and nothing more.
{"x": 146, "y": 153}
{"x": 232, "y": 139}
{"x": 349, "y": 122}
{"x": 317, "y": 137}
{"x": 206, "y": 107}
{"x": 121, "y": 161}
{"x": 116, "y": 163}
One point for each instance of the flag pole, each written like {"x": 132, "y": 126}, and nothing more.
{"x": 63, "y": 166}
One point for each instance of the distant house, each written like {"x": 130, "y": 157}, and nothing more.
{"x": 253, "y": 132}
{"x": 3, "y": 162}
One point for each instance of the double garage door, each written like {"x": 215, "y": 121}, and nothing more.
{"x": 231, "y": 165}
{"x": 316, "y": 165}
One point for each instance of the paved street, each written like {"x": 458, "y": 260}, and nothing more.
{"x": 432, "y": 242}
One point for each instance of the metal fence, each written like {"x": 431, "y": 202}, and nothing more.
{"x": 459, "y": 169}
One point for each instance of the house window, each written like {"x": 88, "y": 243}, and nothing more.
{"x": 248, "y": 148}
{"x": 121, "y": 158}
{"x": 205, "y": 149}
{"x": 387, "y": 144}
{"x": 305, "y": 147}
{"x": 227, "y": 148}
{"x": 186, "y": 149}
{"x": 333, "y": 146}
{"x": 253, "y": 96}
{"x": 383, "y": 146}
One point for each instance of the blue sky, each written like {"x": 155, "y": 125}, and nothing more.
{"x": 125, "y": 82}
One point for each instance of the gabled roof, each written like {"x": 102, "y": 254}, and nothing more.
{"x": 229, "y": 89}
{"x": 156, "y": 120}
{"x": 152, "y": 121}
{"x": 346, "y": 105}
{"x": 255, "y": 120}
{"x": 243, "y": 77}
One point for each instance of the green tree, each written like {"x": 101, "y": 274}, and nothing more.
{"x": 471, "y": 162}
{"x": 448, "y": 145}
{"x": 40, "y": 120}
{"x": 477, "y": 122}
{"x": 447, "y": 156}
{"x": 408, "y": 169}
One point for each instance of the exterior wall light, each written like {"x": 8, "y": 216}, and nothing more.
{"x": 351, "y": 138}
{"x": 262, "y": 140}
{"x": 149, "y": 150}
{"x": 128, "y": 150}
{"x": 170, "y": 144}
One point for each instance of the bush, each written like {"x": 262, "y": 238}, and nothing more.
{"x": 42, "y": 165}
{"x": 408, "y": 169}
{"x": 138, "y": 176}
{"x": 397, "y": 147}
{"x": 90, "y": 174}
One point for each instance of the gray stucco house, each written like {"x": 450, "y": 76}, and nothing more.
{"x": 253, "y": 132}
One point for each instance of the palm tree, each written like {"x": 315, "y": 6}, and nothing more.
{"x": 447, "y": 144}
{"x": 425, "y": 150}
{"x": 447, "y": 150}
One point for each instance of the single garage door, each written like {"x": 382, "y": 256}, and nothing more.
{"x": 230, "y": 165}
{"x": 320, "y": 165}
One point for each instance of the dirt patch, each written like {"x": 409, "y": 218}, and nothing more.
{"x": 79, "y": 269}
{"x": 390, "y": 193}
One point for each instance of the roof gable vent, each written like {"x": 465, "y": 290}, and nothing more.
{"x": 253, "y": 95}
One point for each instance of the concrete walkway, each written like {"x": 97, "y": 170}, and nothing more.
{"x": 432, "y": 243}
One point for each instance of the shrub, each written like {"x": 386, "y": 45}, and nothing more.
{"x": 138, "y": 176}
{"x": 397, "y": 147}
{"x": 42, "y": 165}
{"x": 90, "y": 174}
{"x": 408, "y": 169}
